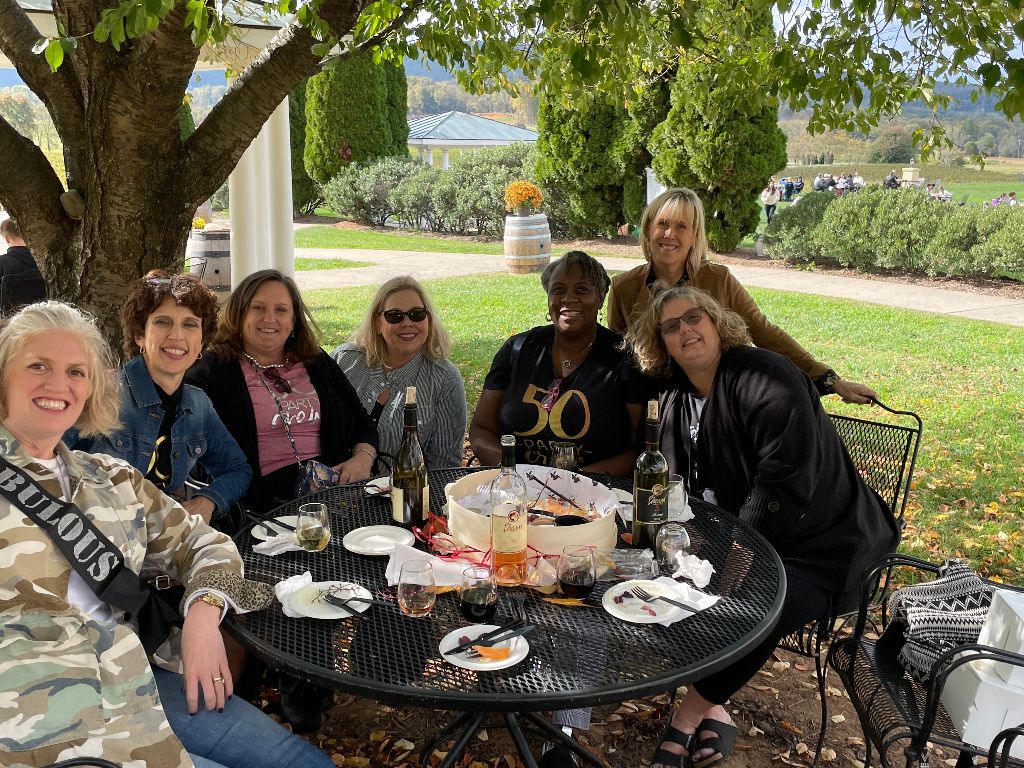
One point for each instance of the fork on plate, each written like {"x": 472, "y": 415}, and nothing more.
{"x": 647, "y": 597}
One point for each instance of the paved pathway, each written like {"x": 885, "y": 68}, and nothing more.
{"x": 427, "y": 265}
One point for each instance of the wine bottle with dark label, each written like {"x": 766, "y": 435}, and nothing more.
{"x": 508, "y": 519}
{"x": 410, "y": 493}
{"x": 650, "y": 485}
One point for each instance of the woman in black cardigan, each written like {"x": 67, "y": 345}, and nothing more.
{"x": 747, "y": 429}
{"x": 265, "y": 366}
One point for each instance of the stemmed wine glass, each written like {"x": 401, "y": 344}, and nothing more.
{"x": 577, "y": 571}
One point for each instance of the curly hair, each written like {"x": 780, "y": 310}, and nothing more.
{"x": 146, "y": 295}
{"x": 101, "y": 410}
{"x": 303, "y": 343}
{"x": 591, "y": 268}
{"x": 685, "y": 203}
{"x": 649, "y": 348}
{"x": 367, "y": 336}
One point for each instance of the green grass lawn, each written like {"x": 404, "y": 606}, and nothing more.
{"x": 963, "y": 377}
{"x": 320, "y": 236}
{"x": 303, "y": 265}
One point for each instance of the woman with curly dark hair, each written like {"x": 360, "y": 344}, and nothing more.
{"x": 167, "y": 426}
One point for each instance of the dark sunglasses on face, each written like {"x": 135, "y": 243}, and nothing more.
{"x": 673, "y": 324}
{"x": 280, "y": 382}
{"x": 395, "y": 316}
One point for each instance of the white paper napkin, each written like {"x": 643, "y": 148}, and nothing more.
{"x": 696, "y": 570}
{"x": 447, "y": 573}
{"x": 285, "y": 589}
{"x": 684, "y": 593}
{"x": 283, "y": 542}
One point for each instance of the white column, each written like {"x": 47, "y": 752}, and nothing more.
{"x": 654, "y": 188}
{"x": 430, "y": 155}
{"x": 444, "y": 158}
{"x": 281, "y": 240}
{"x": 243, "y": 186}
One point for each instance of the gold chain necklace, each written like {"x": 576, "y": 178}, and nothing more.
{"x": 568, "y": 363}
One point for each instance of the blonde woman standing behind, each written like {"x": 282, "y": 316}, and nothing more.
{"x": 402, "y": 343}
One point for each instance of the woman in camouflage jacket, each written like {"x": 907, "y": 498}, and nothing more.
{"x": 75, "y": 680}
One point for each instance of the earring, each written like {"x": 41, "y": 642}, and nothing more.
{"x": 548, "y": 317}
{"x": 141, "y": 350}
{"x": 199, "y": 356}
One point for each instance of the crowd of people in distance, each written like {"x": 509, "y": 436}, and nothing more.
{"x": 844, "y": 183}
{"x": 215, "y": 410}
{"x": 1007, "y": 198}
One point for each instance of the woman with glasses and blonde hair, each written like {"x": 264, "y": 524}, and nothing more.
{"x": 747, "y": 429}
{"x": 402, "y": 343}
{"x": 167, "y": 427}
{"x": 675, "y": 246}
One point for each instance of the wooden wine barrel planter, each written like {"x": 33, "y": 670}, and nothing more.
{"x": 527, "y": 243}
{"x": 214, "y": 245}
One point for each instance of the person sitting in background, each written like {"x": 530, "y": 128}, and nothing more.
{"x": 167, "y": 426}
{"x": 676, "y": 248}
{"x": 402, "y": 342}
{"x": 891, "y": 181}
{"x": 20, "y": 279}
{"x": 746, "y": 427}
{"x": 798, "y": 185}
{"x": 564, "y": 382}
{"x": 84, "y": 673}
{"x": 858, "y": 181}
{"x": 1012, "y": 198}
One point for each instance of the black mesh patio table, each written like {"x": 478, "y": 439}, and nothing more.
{"x": 579, "y": 656}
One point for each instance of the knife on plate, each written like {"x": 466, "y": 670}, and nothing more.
{"x": 488, "y": 642}
{"x": 482, "y": 639}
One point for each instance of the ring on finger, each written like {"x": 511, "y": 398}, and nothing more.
{"x": 218, "y": 680}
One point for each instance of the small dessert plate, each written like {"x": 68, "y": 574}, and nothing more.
{"x": 378, "y": 485}
{"x": 309, "y": 601}
{"x": 520, "y": 649}
{"x": 377, "y": 539}
{"x": 259, "y": 532}
{"x": 624, "y": 606}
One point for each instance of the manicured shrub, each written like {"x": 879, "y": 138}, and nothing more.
{"x": 413, "y": 199}
{"x": 306, "y": 195}
{"x": 903, "y": 224}
{"x": 950, "y": 251}
{"x": 788, "y": 237}
{"x": 364, "y": 190}
{"x": 1002, "y": 251}
{"x": 845, "y": 235}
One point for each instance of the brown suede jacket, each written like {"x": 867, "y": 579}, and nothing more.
{"x": 629, "y": 297}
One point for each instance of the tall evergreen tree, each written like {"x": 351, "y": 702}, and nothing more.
{"x": 398, "y": 107}
{"x": 305, "y": 194}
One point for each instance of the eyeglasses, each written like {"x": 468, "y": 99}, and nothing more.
{"x": 554, "y": 390}
{"x": 280, "y": 382}
{"x": 672, "y": 325}
{"x": 395, "y": 316}
{"x": 178, "y": 285}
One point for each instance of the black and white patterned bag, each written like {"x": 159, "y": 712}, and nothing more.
{"x": 939, "y": 615}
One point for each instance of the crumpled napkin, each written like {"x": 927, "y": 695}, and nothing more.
{"x": 276, "y": 545}
{"x": 447, "y": 573}
{"x": 285, "y": 589}
{"x": 684, "y": 593}
{"x": 696, "y": 570}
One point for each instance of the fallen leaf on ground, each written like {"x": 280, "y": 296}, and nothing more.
{"x": 377, "y": 735}
{"x": 755, "y": 731}
{"x": 404, "y": 744}
{"x": 781, "y": 666}
{"x": 828, "y": 754}
{"x": 801, "y": 748}
{"x": 838, "y": 718}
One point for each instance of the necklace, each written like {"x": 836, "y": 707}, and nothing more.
{"x": 252, "y": 360}
{"x": 569, "y": 362}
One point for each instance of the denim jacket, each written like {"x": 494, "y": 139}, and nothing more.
{"x": 197, "y": 436}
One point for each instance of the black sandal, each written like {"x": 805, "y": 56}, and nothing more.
{"x": 677, "y": 737}
{"x": 722, "y": 744}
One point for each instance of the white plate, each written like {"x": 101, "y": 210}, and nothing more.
{"x": 378, "y": 485}
{"x": 259, "y": 532}
{"x": 630, "y": 608}
{"x": 625, "y": 497}
{"x": 376, "y": 539}
{"x": 304, "y": 601}
{"x": 520, "y": 649}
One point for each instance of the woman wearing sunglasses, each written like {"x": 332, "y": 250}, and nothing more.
{"x": 673, "y": 240}
{"x": 168, "y": 427}
{"x": 564, "y": 382}
{"x": 281, "y": 396}
{"x": 748, "y": 429}
{"x": 402, "y": 343}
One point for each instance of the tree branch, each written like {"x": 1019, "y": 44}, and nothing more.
{"x": 29, "y": 188}
{"x": 398, "y": 22}
{"x": 17, "y": 36}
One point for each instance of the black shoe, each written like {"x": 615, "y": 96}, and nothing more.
{"x": 300, "y": 704}
{"x": 557, "y": 757}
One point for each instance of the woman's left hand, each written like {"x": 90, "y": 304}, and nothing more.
{"x": 204, "y": 658}
{"x": 853, "y": 392}
{"x": 200, "y": 505}
{"x": 358, "y": 467}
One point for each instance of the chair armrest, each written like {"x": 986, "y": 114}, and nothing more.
{"x": 870, "y": 583}
{"x": 999, "y": 752}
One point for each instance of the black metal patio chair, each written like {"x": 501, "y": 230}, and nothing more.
{"x": 885, "y": 454}
{"x": 900, "y": 716}
{"x": 999, "y": 753}
{"x": 84, "y": 762}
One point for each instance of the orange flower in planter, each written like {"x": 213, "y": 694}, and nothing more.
{"x": 522, "y": 196}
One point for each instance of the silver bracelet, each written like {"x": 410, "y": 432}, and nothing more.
{"x": 368, "y": 452}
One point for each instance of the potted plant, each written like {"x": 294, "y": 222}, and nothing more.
{"x": 523, "y": 197}
{"x": 527, "y": 235}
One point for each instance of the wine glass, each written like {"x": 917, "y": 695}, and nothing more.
{"x": 416, "y": 593}
{"x": 313, "y": 529}
{"x": 670, "y": 546}
{"x": 577, "y": 572}
{"x": 478, "y": 594}
{"x": 563, "y": 456}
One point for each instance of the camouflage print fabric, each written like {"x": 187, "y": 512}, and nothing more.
{"x": 72, "y": 685}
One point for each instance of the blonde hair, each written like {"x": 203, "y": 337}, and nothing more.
{"x": 101, "y": 410}
{"x": 686, "y": 200}
{"x": 369, "y": 340}
{"x": 649, "y": 348}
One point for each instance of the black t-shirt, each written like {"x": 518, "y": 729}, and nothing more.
{"x": 159, "y": 470}
{"x": 590, "y": 409}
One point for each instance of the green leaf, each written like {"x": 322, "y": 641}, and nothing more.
{"x": 153, "y": 7}
{"x": 68, "y": 44}
{"x": 102, "y": 32}
{"x": 54, "y": 54}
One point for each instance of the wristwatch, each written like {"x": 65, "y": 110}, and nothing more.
{"x": 827, "y": 381}
{"x": 213, "y": 599}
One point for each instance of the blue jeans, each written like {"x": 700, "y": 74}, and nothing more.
{"x": 239, "y": 737}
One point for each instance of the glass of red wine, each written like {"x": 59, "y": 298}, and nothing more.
{"x": 478, "y": 595}
{"x": 577, "y": 571}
